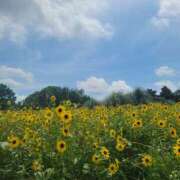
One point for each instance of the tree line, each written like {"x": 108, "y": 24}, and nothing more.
{"x": 42, "y": 98}
{"x": 141, "y": 96}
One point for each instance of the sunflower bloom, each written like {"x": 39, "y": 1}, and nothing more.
{"x": 120, "y": 146}
{"x": 162, "y": 123}
{"x": 14, "y": 142}
{"x": 66, "y": 117}
{"x": 173, "y": 132}
{"x": 178, "y": 141}
{"x": 176, "y": 150}
{"x": 61, "y": 146}
{"x": 105, "y": 152}
{"x": 59, "y": 110}
{"x": 147, "y": 160}
{"x": 137, "y": 124}
{"x": 112, "y": 133}
{"x": 112, "y": 169}
{"x": 65, "y": 131}
{"x": 53, "y": 99}
{"x": 95, "y": 159}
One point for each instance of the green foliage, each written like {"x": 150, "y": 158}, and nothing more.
{"x": 138, "y": 96}
{"x": 177, "y": 96}
{"x": 7, "y": 97}
{"x": 118, "y": 98}
{"x": 42, "y": 98}
{"x": 166, "y": 93}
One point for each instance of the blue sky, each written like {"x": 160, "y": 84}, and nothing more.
{"x": 100, "y": 46}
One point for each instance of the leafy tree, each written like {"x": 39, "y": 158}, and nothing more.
{"x": 140, "y": 96}
{"x": 7, "y": 97}
{"x": 42, "y": 98}
{"x": 152, "y": 93}
{"x": 177, "y": 95}
{"x": 116, "y": 99}
{"x": 166, "y": 93}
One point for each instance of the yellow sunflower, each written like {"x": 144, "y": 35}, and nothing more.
{"x": 137, "y": 124}
{"x": 147, "y": 160}
{"x": 178, "y": 141}
{"x": 61, "y": 146}
{"x": 120, "y": 146}
{"x": 173, "y": 132}
{"x": 95, "y": 145}
{"x": 65, "y": 131}
{"x": 133, "y": 114}
{"x": 48, "y": 114}
{"x": 162, "y": 123}
{"x": 120, "y": 139}
{"x": 112, "y": 133}
{"x": 105, "y": 152}
{"x": 59, "y": 110}
{"x": 53, "y": 99}
{"x": 176, "y": 150}
{"x": 66, "y": 117}
{"x": 112, "y": 169}
{"x": 14, "y": 142}
{"x": 95, "y": 159}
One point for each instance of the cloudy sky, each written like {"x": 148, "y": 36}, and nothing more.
{"x": 100, "y": 46}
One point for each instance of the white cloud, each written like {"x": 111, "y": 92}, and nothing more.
{"x": 20, "y": 98}
{"x": 11, "y": 82}
{"x": 54, "y": 18}
{"x": 165, "y": 71}
{"x": 15, "y": 77}
{"x": 93, "y": 85}
{"x": 171, "y": 85}
{"x": 99, "y": 88}
{"x": 169, "y": 11}
{"x": 119, "y": 86}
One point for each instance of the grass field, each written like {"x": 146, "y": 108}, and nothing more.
{"x": 126, "y": 142}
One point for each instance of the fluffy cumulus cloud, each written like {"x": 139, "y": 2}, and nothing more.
{"x": 99, "y": 88}
{"x": 165, "y": 71}
{"x": 53, "y": 18}
{"x": 169, "y": 12}
{"x": 93, "y": 85}
{"x": 15, "y": 77}
{"x": 171, "y": 85}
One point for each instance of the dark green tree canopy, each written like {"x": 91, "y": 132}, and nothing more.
{"x": 42, "y": 98}
{"x": 166, "y": 93}
{"x": 7, "y": 96}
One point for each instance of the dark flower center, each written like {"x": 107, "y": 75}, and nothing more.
{"x": 66, "y": 131}
{"x": 105, "y": 152}
{"x": 62, "y": 145}
{"x": 14, "y": 141}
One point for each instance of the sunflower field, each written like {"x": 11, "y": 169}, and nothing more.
{"x": 67, "y": 143}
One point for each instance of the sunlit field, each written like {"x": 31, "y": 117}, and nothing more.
{"x": 64, "y": 142}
